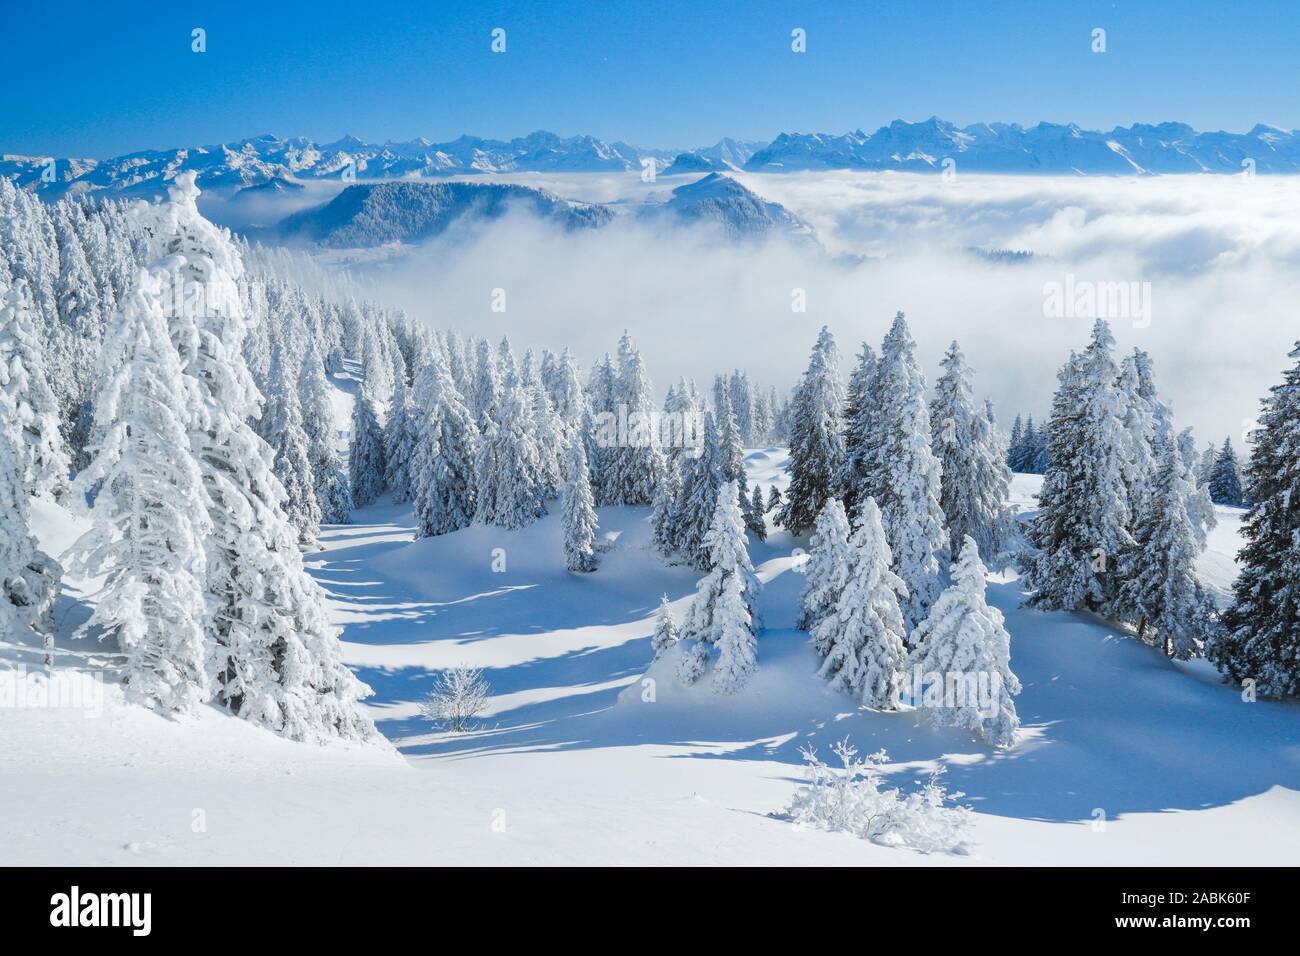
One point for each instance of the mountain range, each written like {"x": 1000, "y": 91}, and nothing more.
{"x": 1140, "y": 149}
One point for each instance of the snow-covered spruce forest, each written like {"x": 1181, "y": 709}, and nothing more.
{"x": 352, "y": 589}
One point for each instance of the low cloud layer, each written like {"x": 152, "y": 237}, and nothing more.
{"x": 1218, "y": 257}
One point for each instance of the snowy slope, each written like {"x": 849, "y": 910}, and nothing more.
{"x": 572, "y": 765}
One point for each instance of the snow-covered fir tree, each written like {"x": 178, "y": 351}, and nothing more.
{"x": 860, "y": 410}
{"x": 601, "y": 405}
{"x": 1225, "y": 477}
{"x": 34, "y": 411}
{"x": 443, "y": 467}
{"x": 331, "y": 480}
{"x": 1027, "y": 453}
{"x": 1205, "y": 466}
{"x": 742, "y": 405}
{"x": 826, "y": 569}
{"x": 762, "y": 420}
{"x": 665, "y": 632}
{"x": 366, "y": 454}
{"x": 376, "y": 367}
{"x": 81, "y": 322}
{"x": 486, "y": 400}
{"x": 150, "y": 514}
{"x": 1139, "y": 412}
{"x": 1200, "y": 509}
{"x": 1015, "y": 444}
{"x": 754, "y": 515}
{"x": 903, "y": 468}
{"x": 509, "y": 489}
{"x": 401, "y": 433}
{"x": 864, "y": 632}
{"x": 1260, "y": 640}
{"x": 773, "y": 498}
{"x": 29, "y": 579}
{"x": 962, "y": 657}
{"x": 663, "y": 515}
{"x": 568, "y": 400}
{"x": 273, "y": 656}
{"x": 702, "y": 477}
{"x": 816, "y": 440}
{"x": 1083, "y": 518}
{"x": 634, "y": 462}
{"x": 975, "y": 479}
{"x": 1159, "y": 592}
{"x": 291, "y": 449}
{"x": 684, "y": 412}
{"x": 1161, "y": 415}
{"x": 722, "y": 613}
{"x": 548, "y": 431}
{"x": 579, "y": 514}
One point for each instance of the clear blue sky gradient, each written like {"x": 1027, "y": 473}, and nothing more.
{"x": 99, "y": 80}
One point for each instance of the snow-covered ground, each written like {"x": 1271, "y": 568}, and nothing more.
{"x": 1126, "y": 758}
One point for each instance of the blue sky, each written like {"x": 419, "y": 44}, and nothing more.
{"x": 84, "y": 79}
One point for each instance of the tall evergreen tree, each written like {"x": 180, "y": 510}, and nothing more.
{"x": 826, "y": 571}
{"x": 579, "y": 514}
{"x": 860, "y": 410}
{"x": 865, "y": 631}
{"x": 1083, "y": 517}
{"x": 722, "y": 614}
{"x": 962, "y": 642}
{"x": 485, "y": 403}
{"x": 1200, "y": 509}
{"x": 1205, "y": 467}
{"x": 29, "y": 579}
{"x": 33, "y": 408}
{"x": 754, "y": 514}
{"x": 702, "y": 477}
{"x": 1261, "y": 636}
{"x": 331, "y": 481}
{"x": 366, "y": 456}
{"x": 274, "y": 658}
{"x": 443, "y": 464}
{"x": 975, "y": 480}
{"x": 291, "y": 449}
{"x": 401, "y": 434}
{"x": 508, "y": 468}
{"x": 816, "y": 441}
{"x": 1016, "y": 449}
{"x": 904, "y": 470}
{"x": 634, "y": 462}
{"x": 1159, "y": 592}
{"x": 663, "y": 516}
{"x": 601, "y": 407}
{"x": 1225, "y": 478}
{"x": 150, "y": 515}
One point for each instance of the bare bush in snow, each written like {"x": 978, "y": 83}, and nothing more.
{"x": 458, "y": 696}
{"x": 849, "y": 799}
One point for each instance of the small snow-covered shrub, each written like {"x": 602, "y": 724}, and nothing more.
{"x": 849, "y": 799}
{"x": 458, "y": 696}
{"x": 693, "y": 662}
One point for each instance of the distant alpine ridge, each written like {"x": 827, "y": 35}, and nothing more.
{"x": 409, "y": 212}
{"x": 911, "y": 147}
{"x": 374, "y": 214}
